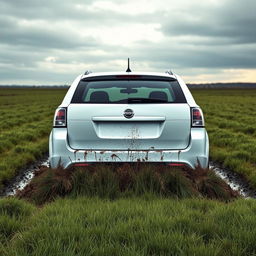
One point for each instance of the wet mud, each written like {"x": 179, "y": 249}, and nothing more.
{"x": 24, "y": 177}
{"x": 235, "y": 181}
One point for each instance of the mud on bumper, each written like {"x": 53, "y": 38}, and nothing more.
{"x": 62, "y": 154}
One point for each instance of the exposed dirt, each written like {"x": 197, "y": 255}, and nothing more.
{"x": 25, "y": 175}
{"x": 49, "y": 184}
{"x": 207, "y": 183}
{"x": 58, "y": 180}
{"x": 235, "y": 181}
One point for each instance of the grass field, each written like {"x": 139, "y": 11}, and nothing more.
{"x": 122, "y": 181}
{"x": 230, "y": 120}
{"x": 141, "y": 223}
{"x": 132, "y": 226}
{"x": 25, "y": 123}
{"x": 26, "y": 120}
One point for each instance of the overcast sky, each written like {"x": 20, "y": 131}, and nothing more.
{"x": 53, "y": 41}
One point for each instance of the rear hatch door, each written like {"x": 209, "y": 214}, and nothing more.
{"x": 108, "y": 114}
{"x": 97, "y": 127}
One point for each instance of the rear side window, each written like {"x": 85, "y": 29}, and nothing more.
{"x": 128, "y": 91}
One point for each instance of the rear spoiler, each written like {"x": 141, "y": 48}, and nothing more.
{"x": 129, "y": 77}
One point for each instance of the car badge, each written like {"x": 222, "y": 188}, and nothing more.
{"x": 128, "y": 113}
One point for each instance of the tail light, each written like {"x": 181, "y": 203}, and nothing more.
{"x": 128, "y": 76}
{"x": 60, "y": 118}
{"x": 176, "y": 164}
{"x": 80, "y": 165}
{"x": 197, "y": 118}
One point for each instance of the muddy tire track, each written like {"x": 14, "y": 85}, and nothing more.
{"x": 25, "y": 175}
{"x": 235, "y": 181}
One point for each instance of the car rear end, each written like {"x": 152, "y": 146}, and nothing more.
{"x": 128, "y": 117}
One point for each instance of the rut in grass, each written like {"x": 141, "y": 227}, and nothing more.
{"x": 123, "y": 180}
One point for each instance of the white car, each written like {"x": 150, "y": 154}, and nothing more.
{"x": 128, "y": 117}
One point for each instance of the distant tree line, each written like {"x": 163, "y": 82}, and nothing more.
{"x": 223, "y": 85}
{"x": 203, "y": 85}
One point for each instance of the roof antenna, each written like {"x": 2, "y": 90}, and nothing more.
{"x": 128, "y": 69}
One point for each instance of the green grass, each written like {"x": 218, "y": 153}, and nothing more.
{"x": 26, "y": 120}
{"x": 230, "y": 121}
{"x": 25, "y": 124}
{"x": 132, "y": 226}
{"x": 147, "y": 220}
{"x": 13, "y": 216}
{"x": 112, "y": 182}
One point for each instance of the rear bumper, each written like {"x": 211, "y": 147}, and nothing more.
{"x": 61, "y": 153}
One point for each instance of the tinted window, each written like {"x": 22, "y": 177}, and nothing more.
{"x": 128, "y": 91}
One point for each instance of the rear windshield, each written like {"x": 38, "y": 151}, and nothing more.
{"x": 128, "y": 91}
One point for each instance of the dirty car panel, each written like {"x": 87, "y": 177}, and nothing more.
{"x": 86, "y": 130}
{"x": 128, "y": 118}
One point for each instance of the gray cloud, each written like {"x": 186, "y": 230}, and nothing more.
{"x": 59, "y": 10}
{"x": 232, "y": 20}
{"x": 200, "y": 58}
{"x": 53, "y": 41}
{"x": 41, "y": 35}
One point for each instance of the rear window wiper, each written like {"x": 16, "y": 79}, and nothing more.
{"x": 145, "y": 100}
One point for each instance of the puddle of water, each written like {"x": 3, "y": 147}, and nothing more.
{"x": 234, "y": 181}
{"x": 25, "y": 176}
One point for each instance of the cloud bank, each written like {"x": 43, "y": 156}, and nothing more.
{"x": 53, "y": 41}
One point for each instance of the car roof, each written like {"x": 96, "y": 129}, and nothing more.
{"x": 97, "y": 74}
